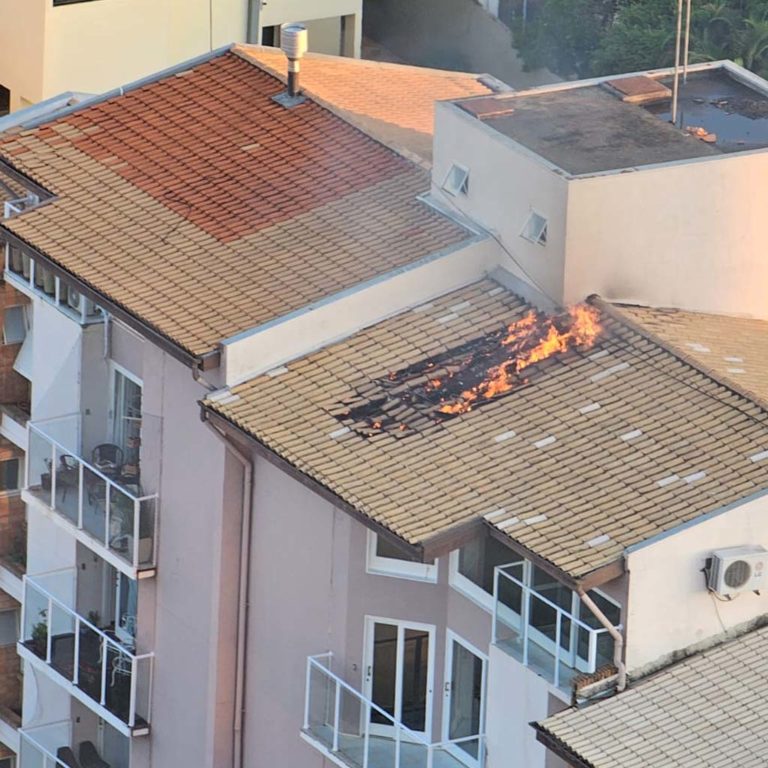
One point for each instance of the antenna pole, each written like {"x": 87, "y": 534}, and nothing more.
{"x": 687, "y": 39}
{"x": 676, "y": 84}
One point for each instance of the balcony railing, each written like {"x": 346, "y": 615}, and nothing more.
{"x": 52, "y": 746}
{"x": 337, "y": 721}
{"x": 542, "y": 635}
{"x": 106, "y": 671}
{"x": 29, "y": 275}
{"x": 115, "y": 514}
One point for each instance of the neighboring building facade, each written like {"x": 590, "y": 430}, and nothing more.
{"x": 373, "y": 549}
{"x": 51, "y": 46}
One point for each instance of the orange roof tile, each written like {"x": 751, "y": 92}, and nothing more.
{"x": 204, "y": 208}
{"x": 393, "y": 102}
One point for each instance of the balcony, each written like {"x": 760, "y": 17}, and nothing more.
{"x": 91, "y": 663}
{"x": 546, "y": 627}
{"x": 337, "y": 722}
{"x": 52, "y": 746}
{"x": 104, "y": 507}
{"x": 33, "y": 279}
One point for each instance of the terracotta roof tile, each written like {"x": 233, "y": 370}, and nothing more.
{"x": 588, "y": 482}
{"x": 161, "y": 210}
{"x": 393, "y": 102}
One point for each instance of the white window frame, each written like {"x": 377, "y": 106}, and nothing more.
{"x": 401, "y": 569}
{"x": 534, "y": 234}
{"x": 466, "y": 586}
{"x": 456, "y": 181}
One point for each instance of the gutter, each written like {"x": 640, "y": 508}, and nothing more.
{"x": 238, "y": 731}
{"x": 559, "y": 747}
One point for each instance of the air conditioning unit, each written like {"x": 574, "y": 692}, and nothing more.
{"x": 75, "y": 299}
{"x": 737, "y": 569}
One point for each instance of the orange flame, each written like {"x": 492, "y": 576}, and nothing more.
{"x": 532, "y": 342}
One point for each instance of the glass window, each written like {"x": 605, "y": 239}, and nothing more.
{"x": 9, "y": 627}
{"x": 386, "y": 559}
{"x": 14, "y": 325}
{"x": 535, "y": 229}
{"x": 479, "y": 558}
{"x": 9, "y": 475}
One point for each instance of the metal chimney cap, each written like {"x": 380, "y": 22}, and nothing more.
{"x": 293, "y": 40}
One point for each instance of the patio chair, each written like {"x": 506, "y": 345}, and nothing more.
{"x": 108, "y": 459}
{"x": 89, "y": 757}
{"x": 66, "y": 756}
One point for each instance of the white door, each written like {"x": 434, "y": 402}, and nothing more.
{"x": 398, "y": 675}
{"x": 464, "y": 700}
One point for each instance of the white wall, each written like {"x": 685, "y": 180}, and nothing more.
{"x": 506, "y": 183}
{"x": 669, "y": 605}
{"x": 691, "y": 235}
{"x": 516, "y": 697}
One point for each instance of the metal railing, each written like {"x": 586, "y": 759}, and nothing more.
{"x": 338, "y": 717}
{"x": 543, "y": 635}
{"x": 121, "y": 521}
{"x": 108, "y": 672}
{"x": 41, "y": 745}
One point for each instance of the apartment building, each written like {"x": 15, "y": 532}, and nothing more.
{"x": 91, "y": 46}
{"x": 318, "y": 469}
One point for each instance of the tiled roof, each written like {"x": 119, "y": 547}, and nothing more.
{"x": 708, "y": 711}
{"x": 393, "y": 102}
{"x": 733, "y": 348}
{"x": 597, "y": 451}
{"x": 204, "y": 208}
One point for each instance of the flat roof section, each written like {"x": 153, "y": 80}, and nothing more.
{"x": 591, "y": 129}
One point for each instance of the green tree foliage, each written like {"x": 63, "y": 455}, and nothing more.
{"x": 581, "y": 38}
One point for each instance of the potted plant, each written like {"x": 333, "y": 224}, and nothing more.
{"x": 39, "y": 636}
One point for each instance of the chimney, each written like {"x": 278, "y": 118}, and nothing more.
{"x": 293, "y": 41}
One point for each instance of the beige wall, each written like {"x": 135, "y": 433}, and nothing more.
{"x": 692, "y": 235}
{"x": 96, "y": 46}
{"x": 22, "y": 30}
{"x": 506, "y": 183}
{"x": 669, "y": 605}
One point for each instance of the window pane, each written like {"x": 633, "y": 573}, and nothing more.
{"x": 9, "y": 475}
{"x": 385, "y": 549}
{"x": 478, "y": 558}
{"x": 14, "y": 325}
{"x": 8, "y": 628}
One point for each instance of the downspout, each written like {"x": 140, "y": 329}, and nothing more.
{"x": 618, "y": 640}
{"x": 242, "y": 597}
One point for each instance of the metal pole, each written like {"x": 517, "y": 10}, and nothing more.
{"x": 687, "y": 39}
{"x": 676, "y": 84}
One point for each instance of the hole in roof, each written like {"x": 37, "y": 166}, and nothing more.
{"x": 456, "y": 181}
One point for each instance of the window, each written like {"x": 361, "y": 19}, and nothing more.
{"x": 456, "y": 181}
{"x": 535, "y": 229}
{"x": 10, "y": 471}
{"x": 5, "y": 101}
{"x": 385, "y": 559}
{"x": 8, "y": 762}
{"x": 9, "y": 628}
{"x": 69, "y": 2}
{"x": 472, "y": 567}
{"x": 14, "y": 325}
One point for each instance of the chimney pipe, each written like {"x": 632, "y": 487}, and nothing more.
{"x": 293, "y": 41}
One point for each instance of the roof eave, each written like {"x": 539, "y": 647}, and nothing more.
{"x": 559, "y": 747}
{"x": 204, "y": 362}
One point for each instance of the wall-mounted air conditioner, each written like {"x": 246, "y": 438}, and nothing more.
{"x": 737, "y": 569}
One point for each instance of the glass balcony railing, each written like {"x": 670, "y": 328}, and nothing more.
{"x": 338, "y": 719}
{"x": 24, "y": 272}
{"x": 537, "y": 630}
{"x": 110, "y": 507}
{"x": 53, "y": 746}
{"x": 109, "y": 673}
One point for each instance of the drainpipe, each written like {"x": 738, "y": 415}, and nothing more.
{"x": 618, "y": 640}
{"x": 252, "y": 31}
{"x": 242, "y": 596}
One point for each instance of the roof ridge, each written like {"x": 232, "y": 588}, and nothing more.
{"x": 610, "y": 309}
{"x": 373, "y": 63}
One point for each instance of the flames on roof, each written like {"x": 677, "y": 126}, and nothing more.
{"x": 466, "y": 377}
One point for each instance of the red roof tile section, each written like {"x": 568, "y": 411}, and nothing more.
{"x": 204, "y": 208}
